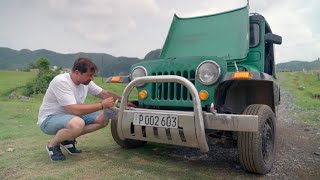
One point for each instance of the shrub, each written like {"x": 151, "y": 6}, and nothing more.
{"x": 28, "y": 90}
{"x": 42, "y": 81}
{"x": 40, "y": 84}
{"x": 43, "y": 64}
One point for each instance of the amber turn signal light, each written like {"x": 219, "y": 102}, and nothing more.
{"x": 242, "y": 75}
{"x": 143, "y": 94}
{"x": 203, "y": 94}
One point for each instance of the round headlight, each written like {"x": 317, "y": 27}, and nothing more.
{"x": 208, "y": 72}
{"x": 138, "y": 71}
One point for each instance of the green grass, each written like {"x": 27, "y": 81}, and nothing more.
{"x": 305, "y": 86}
{"x": 10, "y": 80}
{"x": 116, "y": 88}
{"x": 102, "y": 157}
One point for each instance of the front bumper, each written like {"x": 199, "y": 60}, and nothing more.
{"x": 191, "y": 125}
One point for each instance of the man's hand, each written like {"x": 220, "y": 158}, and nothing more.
{"x": 106, "y": 103}
{"x": 130, "y": 104}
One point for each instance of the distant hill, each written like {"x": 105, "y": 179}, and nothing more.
{"x": 108, "y": 65}
{"x": 298, "y": 65}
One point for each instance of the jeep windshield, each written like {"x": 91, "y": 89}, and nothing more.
{"x": 224, "y": 35}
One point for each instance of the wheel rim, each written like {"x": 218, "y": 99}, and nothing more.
{"x": 267, "y": 140}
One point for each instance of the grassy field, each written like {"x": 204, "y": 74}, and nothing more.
{"x": 102, "y": 158}
{"x": 305, "y": 86}
{"x": 10, "y": 80}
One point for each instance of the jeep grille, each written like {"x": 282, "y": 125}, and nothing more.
{"x": 172, "y": 91}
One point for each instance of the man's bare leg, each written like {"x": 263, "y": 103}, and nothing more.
{"x": 100, "y": 122}
{"x": 76, "y": 127}
{"x": 73, "y": 129}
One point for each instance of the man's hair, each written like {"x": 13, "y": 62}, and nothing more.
{"x": 83, "y": 64}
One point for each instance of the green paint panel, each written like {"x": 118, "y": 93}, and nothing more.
{"x": 224, "y": 35}
{"x": 173, "y": 94}
{"x": 223, "y": 38}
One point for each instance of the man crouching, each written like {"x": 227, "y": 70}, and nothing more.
{"x": 63, "y": 112}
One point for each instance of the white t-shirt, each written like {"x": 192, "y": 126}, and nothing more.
{"x": 63, "y": 92}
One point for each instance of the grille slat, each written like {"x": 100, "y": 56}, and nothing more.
{"x": 162, "y": 91}
{"x": 172, "y": 91}
{"x": 185, "y": 90}
{"x": 165, "y": 89}
{"x": 172, "y": 88}
{"x": 178, "y": 87}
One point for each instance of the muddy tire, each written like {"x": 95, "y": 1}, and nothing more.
{"x": 257, "y": 149}
{"x": 127, "y": 143}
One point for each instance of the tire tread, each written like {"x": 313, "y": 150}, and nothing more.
{"x": 249, "y": 143}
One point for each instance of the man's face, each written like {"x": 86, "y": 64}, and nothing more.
{"x": 85, "y": 78}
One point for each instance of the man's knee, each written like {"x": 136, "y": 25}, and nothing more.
{"x": 76, "y": 124}
{"x": 103, "y": 122}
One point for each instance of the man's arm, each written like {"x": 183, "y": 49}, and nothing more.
{"x": 105, "y": 94}
{"x": 81, "y": 109}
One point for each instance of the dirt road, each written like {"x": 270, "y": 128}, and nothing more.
{"x": 298, "y": 145}
{"x": 298, "y": 151}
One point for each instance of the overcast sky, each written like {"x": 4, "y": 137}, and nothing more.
{"x": 134, "y": 27}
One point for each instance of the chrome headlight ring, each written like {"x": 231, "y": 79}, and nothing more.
{"x": 208, "y": 72}
{"x": 137, "y": 72}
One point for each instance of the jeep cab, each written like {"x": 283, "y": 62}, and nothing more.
{"x": 215, "y": 77}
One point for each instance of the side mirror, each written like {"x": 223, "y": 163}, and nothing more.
{"x": 273, "y": 38}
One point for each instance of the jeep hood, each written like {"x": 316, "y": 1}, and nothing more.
{"x": 225, "y": 35}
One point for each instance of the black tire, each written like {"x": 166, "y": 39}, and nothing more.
{"x": 127, "y": 143}
{"x": 257, "y": 149}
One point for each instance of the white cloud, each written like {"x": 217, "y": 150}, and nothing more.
{"x": 212, "y": 7}
{"x": 291, "y": 20}
{"x": 103, "y": 23}
{"x": 133, "y": 28}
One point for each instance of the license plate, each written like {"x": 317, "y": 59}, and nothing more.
{"x": 155, "y": 120}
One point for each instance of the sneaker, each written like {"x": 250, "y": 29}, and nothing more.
{"x": 55, "y": 153}
{"x": 70, "y": 147}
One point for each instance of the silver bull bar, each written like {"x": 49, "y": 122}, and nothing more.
{"x": 192, "y": 125}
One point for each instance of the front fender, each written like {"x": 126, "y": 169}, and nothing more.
{"x": 234, "y": 95}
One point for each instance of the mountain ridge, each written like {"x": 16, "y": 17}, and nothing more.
{"x": 108, "y": 65}
{"x": 297, "y": 65}
{"x": 11, "y": 59}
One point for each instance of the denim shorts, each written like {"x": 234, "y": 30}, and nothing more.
{"x": 53, "y": 123}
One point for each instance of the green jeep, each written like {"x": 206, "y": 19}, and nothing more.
{"x": 215, "y": 77}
